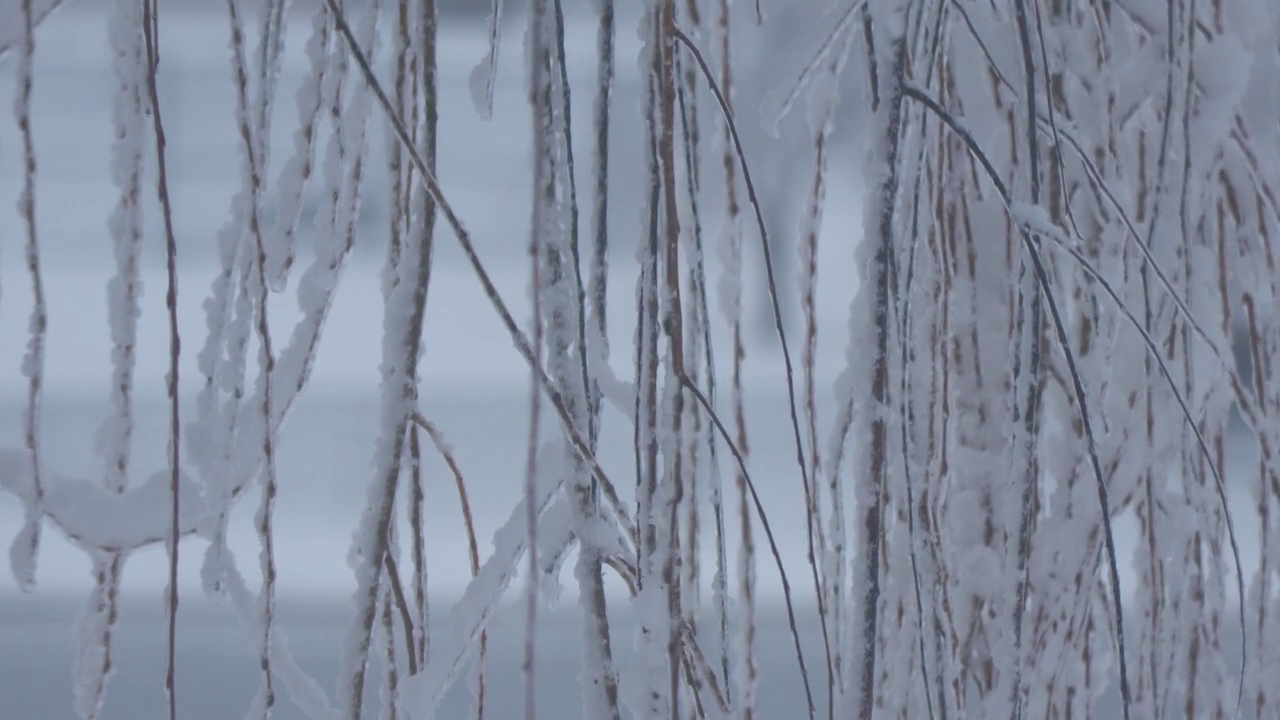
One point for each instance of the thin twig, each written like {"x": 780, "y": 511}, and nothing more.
{"x": 764, "y": 523}
{"x": 782, "y": 337}
{"x": 468, "y": 519}
{"x": 431, "y": 185}
{"x": 1029, "y": 333}
{"x": 539, "y": 89}
{"x": 402, "y": 606}
{"x": 34, "y": 362}
{"x": 150, "y": 30}
{"x": 250, "y": 142}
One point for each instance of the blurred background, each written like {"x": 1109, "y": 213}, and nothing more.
{"x": 474, "y": 384}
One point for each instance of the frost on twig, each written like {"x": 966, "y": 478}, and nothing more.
{"x": 1093, "y": 176}
{"x": 25, "y": 548}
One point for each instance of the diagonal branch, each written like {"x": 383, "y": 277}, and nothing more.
{"x": 518, "y": 338}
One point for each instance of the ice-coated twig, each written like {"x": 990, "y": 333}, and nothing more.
{"x": 252, "y": 145}
{"x": 26, "y": 546}
{"x": 151, "y": 38}
{"x": 806, "y": 485}
{"x": 538, "y": 60}
{"x": 473, "y": 549}
{"x": 1079, "y": 393}
{"x": 1027, "y": 379}
{"x": 474, "y": 609}
{"x": 521, "y": 341}
{"x": 97, "y": 519}
{"x": 557, "y": 259}
{"x": 296, "y": 174}
{"x": 114, "y": 439}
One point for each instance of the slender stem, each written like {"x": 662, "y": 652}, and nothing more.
{"x": 151, "y": 34}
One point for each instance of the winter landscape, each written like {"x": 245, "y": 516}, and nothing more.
{"x": 903, "y": 396}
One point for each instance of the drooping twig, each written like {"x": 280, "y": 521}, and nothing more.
{"x": 518, "y": 337}
{"x": 468, "y": 520}
{"x": 150, "y": 28}
{"x": 1077, "y": 382}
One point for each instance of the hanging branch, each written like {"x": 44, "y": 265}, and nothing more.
{"x": 566, "y": 318}
{"x": 651, "y": 602}
{"x": 747, "y": 671}
{"x": 251, "y": 160}
{"x": 25, "y": 549}
{"x": 425, "y": 40}
{"x": 428, "y": 180}
{"x": 1027, "y": 379}
{"x": 473, "y": 548}
{"x": 1082, "y": 406}
{"x": 114, "y": 440}
{"x": 539, "y": 58}
{"x": 673, "y": 327}
{"x": 955, "y": 468}
{"x": 150, "y": 28}
{"x": 688, "y": 383}
{"x": 599, "y": 277}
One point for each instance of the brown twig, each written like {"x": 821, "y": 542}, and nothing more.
{"x": 151, "y": 30}
{"x": 468, "y": 518}
{"x": 786, "y": 352}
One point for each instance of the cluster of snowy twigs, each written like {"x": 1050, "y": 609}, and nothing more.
{"x": 1069, "y": 217}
